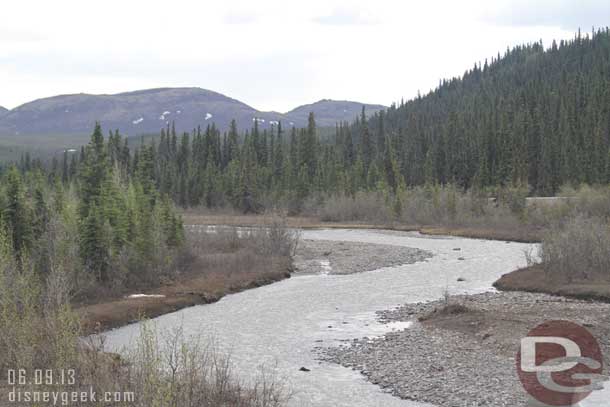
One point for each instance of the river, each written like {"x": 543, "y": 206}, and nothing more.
{"x": 281, "y": 324}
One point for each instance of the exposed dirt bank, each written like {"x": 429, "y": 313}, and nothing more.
{"x": 464, "y": 356}
{"x": 199, "y": 285}
{"x": 185, "y": 291}
{"x": 534, "y": 279}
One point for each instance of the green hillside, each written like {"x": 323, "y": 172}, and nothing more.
{"x": 537, "y": 116}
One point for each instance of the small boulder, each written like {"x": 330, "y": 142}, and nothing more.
{"x": 304, "y": 369}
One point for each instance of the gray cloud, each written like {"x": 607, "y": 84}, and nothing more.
{"x": 566, "y": 14}
{"x": 343, "y": 16}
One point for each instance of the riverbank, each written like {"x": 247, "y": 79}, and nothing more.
{"x": 212, "y": 266}
{"x": 529, "y": 279}
{"x": 206, "y": 281}
{"x": 185, "y": 291}
{"x": 534, "y": 279}
{"x": 521, "y": 234}
{"x": 464, "y": 354}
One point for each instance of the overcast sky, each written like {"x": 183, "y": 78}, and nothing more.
{"x": 271, "y": 54}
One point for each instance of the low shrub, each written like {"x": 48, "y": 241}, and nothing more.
{"x": 578, "y": 250}
{"x": 170, "y": 369}
{"x": 363, "y": 207}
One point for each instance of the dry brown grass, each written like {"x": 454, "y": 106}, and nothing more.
{"x": 216, "y": 264}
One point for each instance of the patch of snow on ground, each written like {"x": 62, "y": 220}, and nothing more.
{"x": 138, "y": 121}
{"x": 326, "y": 268}
{"x": 146, "y": 296}
{"x": 274, "y": 123}
{"x": 208, "y": 116}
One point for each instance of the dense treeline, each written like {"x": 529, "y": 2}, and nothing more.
{"x": 95, "y": 220}
{"x": 532, "y": 117}
{"x": 94, "y": 226}
{"x": 535, "y": 119}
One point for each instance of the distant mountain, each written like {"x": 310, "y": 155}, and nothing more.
{"x": 3, "y": 111}
{"x": 329, "y": 112}
{"x": 147, "y": 111}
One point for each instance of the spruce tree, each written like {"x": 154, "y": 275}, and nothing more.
{"x": 16, "y": 214}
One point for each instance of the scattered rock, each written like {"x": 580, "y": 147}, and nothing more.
{"x": 304, "y": 369}
{"x": 463, "y": 358}
{"x": 353, "y": 257}
{"x": 461, "y": 279}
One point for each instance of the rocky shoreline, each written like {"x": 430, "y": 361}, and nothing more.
{"x": 460, "y": 351}
{"x": 336, "y": 257}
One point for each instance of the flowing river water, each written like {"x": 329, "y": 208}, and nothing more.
{"x": 280, "y": 325}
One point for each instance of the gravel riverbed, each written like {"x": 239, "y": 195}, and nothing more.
{"x": 466, "y": 358}
{"x": 337, "y": 257}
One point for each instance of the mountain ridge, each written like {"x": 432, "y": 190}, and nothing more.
{"x": 146, "y": 111}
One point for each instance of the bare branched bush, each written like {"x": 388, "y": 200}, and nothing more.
{"x": 588, "y": 201}
{"x": 532, "y": 256}
{"x": 275, "y": 238}
{"x": 578, "y": 250}
{"x": 38, "y": 330}
{"x": 427, "y": 205}
{"x": 170, "y": 369}
{"x": 37, "y": 327}
{"x": 363, "y": 207}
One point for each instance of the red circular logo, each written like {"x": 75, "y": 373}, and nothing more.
{"x": 560, "y": 363}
